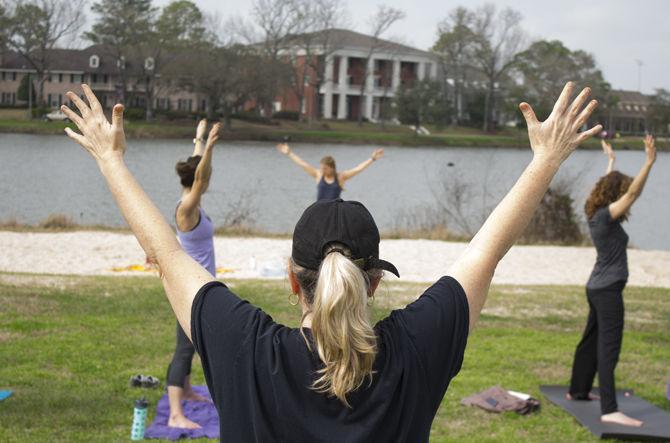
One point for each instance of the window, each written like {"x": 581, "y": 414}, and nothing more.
{"x": 60, "y": 99}
{"x": 149, "y": 63}
{"x": 94, "y": 61}
{"x": 13, "y": 76}
{"x": 105, "y": 78}
{"x": 60, "y": 78}
{"x": 3, "y": 75}
{"x": 71, "y": 78}
{"x": 13, "y": 98}
{"x": 49, "y": 100}
{"x": 94, "y": 78}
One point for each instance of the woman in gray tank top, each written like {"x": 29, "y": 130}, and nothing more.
{"x": 195, "y": 232}
{"x": 598, "y": 351}
{"x": 329, "y": 183}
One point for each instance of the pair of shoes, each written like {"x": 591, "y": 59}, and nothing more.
{"x": 144, "y": 381}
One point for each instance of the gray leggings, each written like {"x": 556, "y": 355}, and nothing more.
{"x": 180, "y": 367}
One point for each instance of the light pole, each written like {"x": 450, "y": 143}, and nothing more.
{"x": 639, "y": 75}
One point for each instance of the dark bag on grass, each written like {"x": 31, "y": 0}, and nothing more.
{"x": 497, "y": 399}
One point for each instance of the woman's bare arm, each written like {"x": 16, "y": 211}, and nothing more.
{"x": 552, "y": 142}
{"x": 611, "y": 158}
{"x": 199, "y": 145}
{"x": 188, "y": 209}
{"x": 623, "y": 204}
{"x": 182, "y": 276}
{"x": 346, "y": 175}
{"x": 311, "y": 170}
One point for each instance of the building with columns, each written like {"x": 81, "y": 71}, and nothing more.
{"x": 361, "y": 74}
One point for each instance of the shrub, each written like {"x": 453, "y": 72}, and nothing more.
{"x": 253, "y": 117}
{"x": 135, "y": 113}
{"x": 58, "y": 221}
{"x": 555, "y": 220}
{"x": 287, "y": 115}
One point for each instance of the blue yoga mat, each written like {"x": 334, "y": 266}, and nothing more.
{"x": 5, "y": 395}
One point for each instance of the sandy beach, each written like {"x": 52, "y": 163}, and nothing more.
{"x": 107, "y": 253}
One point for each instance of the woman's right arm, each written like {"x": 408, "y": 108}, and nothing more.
{"x": 623, "y": 205}
{"x": 203, "y": 173}
{"x": 182, "y": 276}
{"x": 311, "y": 170}
{"x": 552, "y": 141}
{"x": 607, "y": 148}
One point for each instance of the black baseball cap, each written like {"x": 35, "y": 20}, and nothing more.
{"x": 338, "y": 221}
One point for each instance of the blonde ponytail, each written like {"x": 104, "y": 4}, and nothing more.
{"x": 343, "y": 334}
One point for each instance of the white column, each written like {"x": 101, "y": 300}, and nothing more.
{"x": 433, "y": 70}
{"x": 395, "y": 79}
{"x": 421, "y": 72}
{"x": 343, "y": 86}
{"x": 369, "y": 89}
{"x": 328, "y": 93}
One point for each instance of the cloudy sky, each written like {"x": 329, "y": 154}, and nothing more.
{"x": 617, "y": 32}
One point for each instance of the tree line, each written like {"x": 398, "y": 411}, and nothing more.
{"x": 487, "y": 62}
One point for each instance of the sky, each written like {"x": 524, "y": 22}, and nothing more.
{"x": 618, "y": 32}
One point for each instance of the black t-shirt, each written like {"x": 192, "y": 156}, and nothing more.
{"x": 259, "y": 372}
{"x": 610, "y": 241}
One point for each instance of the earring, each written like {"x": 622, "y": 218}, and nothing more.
{"x": 371, "y": 300}
{"x": 297, "y": 300}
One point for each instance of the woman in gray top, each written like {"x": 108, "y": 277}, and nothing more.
{"x": 607, "y": 206}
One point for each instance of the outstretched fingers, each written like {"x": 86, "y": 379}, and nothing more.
{"x": 579, "y": 101}
{"x": 73, "y": 116}
{"x": 76, "y": 137}
{"x": 564, "y": 99}
{"x": 117, "y": 117}
{"x": 583, "y": 136}
{"x": 92, "y": 99}
{"x": 84, "y": 110}
{"x": 528, "y": 114}
{"x": 586, "y": 114}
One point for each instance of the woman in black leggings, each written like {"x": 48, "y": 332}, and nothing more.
{"x": 598, "y": 351}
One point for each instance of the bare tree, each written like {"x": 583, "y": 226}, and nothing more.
{"x": 383, "y": 19}
{"x": 278, "y": 21}
{"x": 455, "y": 47}
{"x": 312, "y": 50}
{"x": 36, "y": 27}
{"x": 498, "y": 38}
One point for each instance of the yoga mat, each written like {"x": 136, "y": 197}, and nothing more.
{"x": 656, "y": 421}
{"x": 5, "y": 395}
{"x": 203, "y": 413}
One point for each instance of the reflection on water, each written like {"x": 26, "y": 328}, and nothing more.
{"x": 49, "y": 174}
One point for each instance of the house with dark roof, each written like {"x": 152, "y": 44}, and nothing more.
{"x": 98, "y": 67}
{"x": 630, "y": 114}
{"x": 359, "y": 73}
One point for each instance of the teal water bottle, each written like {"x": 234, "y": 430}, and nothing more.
{"x": 139, "y": 419}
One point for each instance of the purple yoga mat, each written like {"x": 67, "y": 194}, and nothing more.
{"x": 203, "y": 413}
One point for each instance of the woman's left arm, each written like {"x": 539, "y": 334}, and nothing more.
{"x": 349, "y": 173}
{"x": 182, "y": 276}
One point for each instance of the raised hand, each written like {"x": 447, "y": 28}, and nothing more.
{"x": 555, "y": 138}
{"x": 213, "y": 136}
{"x": 607, "y": 149}
{"x": 200, "y": 131}
{"x": 377, "y": 154}
{"x": 100, "y": 138}
{"x": 283, "y": 148}
{"x": 650, "y": 148}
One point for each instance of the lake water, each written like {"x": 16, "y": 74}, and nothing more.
{"x": 41, "y": 175}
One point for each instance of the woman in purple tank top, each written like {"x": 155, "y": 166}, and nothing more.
{"x": 195, "y": 232}
{"x": 329, "y": 183}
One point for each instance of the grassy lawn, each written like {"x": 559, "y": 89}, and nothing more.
{"x": 69, "y": 344}
{"x": 326, "y": 131}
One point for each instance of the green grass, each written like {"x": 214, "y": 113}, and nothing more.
{"x": 69, "y": 344}
{"x": 330, "y": 131}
